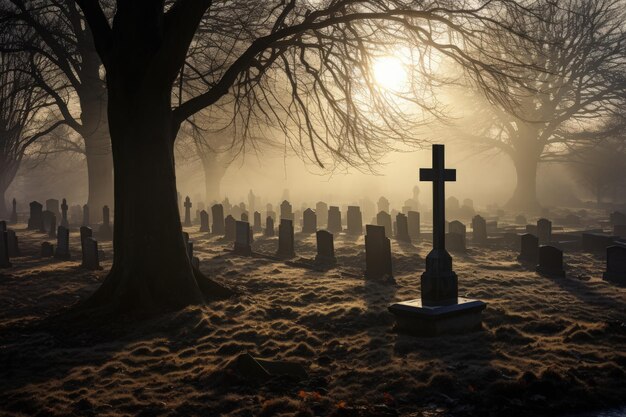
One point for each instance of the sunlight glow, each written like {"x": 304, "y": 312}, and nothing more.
{"x": 390, "y": 73}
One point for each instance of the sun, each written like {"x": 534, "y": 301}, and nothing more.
{"x": 390, "y": 73}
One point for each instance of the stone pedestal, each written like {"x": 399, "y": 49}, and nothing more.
{"x": 420, "y": 320}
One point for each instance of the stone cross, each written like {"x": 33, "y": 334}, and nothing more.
{"x": 64, "y": 208}
{"x": 187, "y": 212}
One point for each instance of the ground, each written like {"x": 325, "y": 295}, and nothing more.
{"x": 549, "y": 346}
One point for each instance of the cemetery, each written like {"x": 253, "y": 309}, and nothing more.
{"x": 313, "y": 209}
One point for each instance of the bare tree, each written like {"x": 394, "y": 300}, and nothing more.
{"x": 69, "y": 71}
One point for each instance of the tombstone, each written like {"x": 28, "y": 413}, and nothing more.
{"x": 242, "y": 238}
{"x": 63, "y": 243}
{"x": 334, "y": 220}
{"x": 86, "y": 221}
{"x": 52, "y": 205}
{"x": 355, "y": 221}
{"x": 309, "y": 221}
{"x": 187, "y": 205}
{"x": 529, "y": 249}
{"x": 615, "y": 264}
{"x": 217, "y": 212}
{"x": 14, "y": 248}
{"x": 413, "y": 220}
{"x": 617, "y": 218}
{"x": 269, "y": 227}
{"x": 544, "y": 231}
{"x": 50, "y": 223}
{"x": 85, "y": 233}
{"x": 550, "y": 261}
{"x": 13, "y": 219}
{"x": 619, "y": 230}
{"x": 384, "y": 219}
{"x": 479, "y": 230}
{"x": 456, "y": 238}
{"x": 321, "y": 210}
{"x": 285, "y": 239}
{"x": 47, "y": 250}
{"x": 286, "y": 211}
{"x": 257, "y": 227}
{"x": 230, "y": 227}
{"x": 402, "y": 228}
{"x": 35, "y": 221}
{"x": 4, "y": 246}
{"x": 377, "y": 253}
{"x": 520, "y": 219}
{"x": 440, "y": 309}
{"x": 325, "y": 248}
{"x": 105, "y": 232}
{"x": 204, "y": 221}
{"x": 244, "y": 217}
{"x": 91, "y": 256}
{"x": 383, "y": 205}
{"x": 64, "y": 208}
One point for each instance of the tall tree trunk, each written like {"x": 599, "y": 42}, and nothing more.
{"x": 525, "y": 195}
{"x": 99, "y": 171}
{"x": 151, "y": 270}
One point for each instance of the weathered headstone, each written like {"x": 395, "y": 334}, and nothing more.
{"x": 85, "y": 233}
{"x": 13, "y": 218}
{"x": 242, "y": 238}
{"x": 217, "y": 212}
{"x": 456, "y": 238}
{"x": 47, "y": 250}
{"x": 187, "y": 205}
{"x": 334, "y": 220}
{"x": 440, "y": 309}
{"x": 35, "y": 221}
{"x": 325, "y": 248}
{"x": 63, "y": 243}
{"x": 550, "y": 261}
{"x": 377, "y": 253}
{"x": 105, "y": 232}
{"x": 230, "y": 227}
{"x": 91, "y": 256}
{"x": 544, "y": 231}
{"x": 86, "y": 221}
{"x": 529, "y": 249}
{"x": 257, "y": 227}
{"x": 309, "y": 221}
{"x": 14, "y": 248}
{"x": 204, "y": 221}
{"x": 615, "y": 264}
{"x": 244, "y": 217}
{"x": 269, "y": 226}
{"x": 413, "y": 219}
{"x": 384, "y": 219}
{"x": 52, "y": 205}
{"x": 355, "y": 221}
{"x": 479, "y": 230}
{"x": 402, "y": 228}
{"x": 286, "y": 211}
{"x": 50, "y": 223}
{"x": 4, "y": 246}
{"x": 321, "y": 210}
{"x": 285, "y": 239}
{"x": 64, "y": 208}
{"x": 383, "y": 205}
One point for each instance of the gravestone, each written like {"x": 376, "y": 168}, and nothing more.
{"x": 325, "y": 248}
{"x": 520, "y": 219}
{"x": 309, "y": 221}
{"x": 355, "y": 221}
{"x": 50, "y": 224}
{"x": 550, "y": 261}
{"x": 378, "y": 263}
{"x": 47, "y": 250}
{"x": 52, "y": 205}
{"x": 413, "y": 220}
{"x": 244, "y": 217}
{"x": 269, "y": 226}
{"x": 619, "y": 230}
{"x": 383, "y": 205}
{"x": 440, "y": 309}
{"x": 187, "y": 205}
{"x": 242, "y": 238}
{"x": 615, "y": 264}
{"x": 334, "y": 219}
{"x": 258, "y": 228}
{"x": 204, "y": 221}
{"x": 63, "y": 243}
{"x": 384, "y": 219}
{"x": 105, "y": 232}
{"x": 91, "y": 256}
{"x": 544, "y": 231}
{"x": 64, "y": 208}
{"x": 479, "y": 230}
{"x": 321, "y": 210}
{"x": 86, "y": 221}
{"x": 4, "y": 246}
{"x": 285, "y": 239}
{"x": 402, "y": 228}
{"x": 85, "y": 233}
{"x": 35, "y": 221}
{"x": 230, "y": 227}
{"x": 13, "y": 218}
{"x": 529, "y": 249}
{"x": 286, "y": 211}
{"x": 617, "y": 217}
{"x": 217, "y": 212}
{"x": 456, "y": 238}
{"x": 14, "y": 248}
